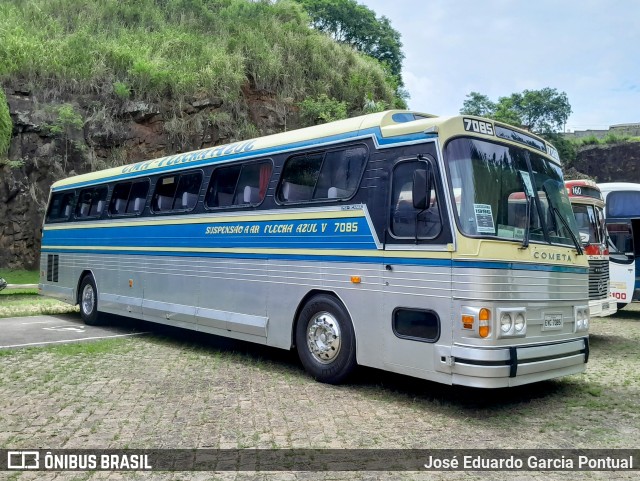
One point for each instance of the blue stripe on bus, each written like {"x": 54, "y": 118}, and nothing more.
{"x": 342, "y": 258}
{"x": 258, "y": 234}
{"x": 374, "y": 131}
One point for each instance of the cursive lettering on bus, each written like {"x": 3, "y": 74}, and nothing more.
{"x": 178, "y": 159}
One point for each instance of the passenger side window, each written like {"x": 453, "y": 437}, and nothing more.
{"x": 238, "y": 185}
{"x": 322, "y": 175}
{"x": 178, "y": 192}
{"x": 91, "y": 203}
{"x": 404, "y": 216}
{"x": 60, "y": 207}
{"x": 129, "y": 198}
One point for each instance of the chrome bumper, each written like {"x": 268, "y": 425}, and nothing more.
{"x": 513, "y": 366}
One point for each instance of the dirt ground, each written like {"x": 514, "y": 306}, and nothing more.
{"x": 176, "y": 389}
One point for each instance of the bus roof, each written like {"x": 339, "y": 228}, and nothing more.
{"x": 388, "y": 128}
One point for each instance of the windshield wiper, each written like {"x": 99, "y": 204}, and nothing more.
{"x": 557, "y": 214}
{"x": 525, "y": 237}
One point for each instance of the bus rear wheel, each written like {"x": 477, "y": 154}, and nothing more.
{"x": 325, "y": 339}
{"x": 88, "y": 301}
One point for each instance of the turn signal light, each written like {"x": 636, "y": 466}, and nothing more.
{"x": 484, "y": 317}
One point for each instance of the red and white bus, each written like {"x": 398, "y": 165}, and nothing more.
{"x": 588, "y": 207}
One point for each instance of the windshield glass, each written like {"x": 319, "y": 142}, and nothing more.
{"x": 590, "y": 222}
{"x": 492, "y": 185}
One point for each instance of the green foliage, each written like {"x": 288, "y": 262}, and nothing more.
{"x": 540, "y": 111}
{"x": 121, "y": 90}
{"x": 322, "y": 109}
{"x": 566, "y": 149}
{"x": 181, "y": 49}
{"x": 356, "y": 25}
{"x": 66, "y": 120}
{"x": 6, "y": 126}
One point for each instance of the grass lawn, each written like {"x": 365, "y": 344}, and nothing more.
{"x": 19, "y": 277}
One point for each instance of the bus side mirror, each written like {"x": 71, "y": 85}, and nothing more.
{"x": 421, "y": 188}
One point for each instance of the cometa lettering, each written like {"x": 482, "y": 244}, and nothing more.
{"x": 550, "y": 256}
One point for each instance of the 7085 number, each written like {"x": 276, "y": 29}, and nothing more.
{"x": 479, "y": 126}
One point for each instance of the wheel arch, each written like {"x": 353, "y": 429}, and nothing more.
{"x": 83, "y": 274}
{"x": 309, "y": 295}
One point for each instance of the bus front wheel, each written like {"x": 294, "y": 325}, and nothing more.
{"x": 88, "y": 301}
{"x": 325, "y": 339}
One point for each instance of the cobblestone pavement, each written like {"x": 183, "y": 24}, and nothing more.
{"x": 175, "y": 389}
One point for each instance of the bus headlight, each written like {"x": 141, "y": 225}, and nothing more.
{"x": 581, "y": 316}
{"x": 513, "y": 322}
{"x": 506, "y": 323}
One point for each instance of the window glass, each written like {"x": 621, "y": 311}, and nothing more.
{"x": 129, "y": 198}
{"x": 406, "y": 220}
{"x": 493, "y": 188}
{"x": 238, "y": 185}
{"x": 329, "y": 175}
{"x": 623, "y": 204}
{"x": 91, "y": 202}
{"x": 178, "y": 192}
{"x": 416, "y": 324}
{"x": 60, "y": 207}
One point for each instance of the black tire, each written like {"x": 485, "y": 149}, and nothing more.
{"x": 328, "y": 357}
{"x": 622, "y": 306}
{"x": 88, "y": 300}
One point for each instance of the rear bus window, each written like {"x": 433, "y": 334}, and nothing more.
{"x": 60, "y": 207}
{"x": 322, "y": 175}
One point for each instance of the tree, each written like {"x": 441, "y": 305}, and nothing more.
{"x": 540, "y": 111}
{"x": 348, "y": 22}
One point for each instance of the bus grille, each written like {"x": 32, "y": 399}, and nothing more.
{"x": 598, "y": 279}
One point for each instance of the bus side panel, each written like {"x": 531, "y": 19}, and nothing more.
{"x": 292, "y": 281}
{"x": 421, "y": 289}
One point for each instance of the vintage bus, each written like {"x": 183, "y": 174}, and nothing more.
{"x": 588, "y": 204}
{"x": 385, "y": 240}
{"x": 622, "y": 217}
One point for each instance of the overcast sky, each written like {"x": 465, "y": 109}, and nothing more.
{"x": 589, "y": 49}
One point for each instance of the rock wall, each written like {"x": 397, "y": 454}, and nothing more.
{"x": 50, "y": 143}
{"x": 610, "y": 163}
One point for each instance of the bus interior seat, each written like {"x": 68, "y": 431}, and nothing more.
{"x": 84, "y": 210}
{"x": 189, "y": 200}
{"x": 337, "y": 193}
{"x": 118, "y": 205}
{"x": 292, "y": 192}
{"x": 96, "y": 208}
{"x": 67, "y": 211}
{"x": 224, "y": 199}
{"x": 164, "y": 202}
{"x": 251, "y": 195}
{"x": 138, "y": 204}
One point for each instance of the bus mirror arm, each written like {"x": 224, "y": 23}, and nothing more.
{"x": 421, "y": 193}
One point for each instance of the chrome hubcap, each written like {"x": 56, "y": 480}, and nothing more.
{"x": 88, "y": 299}
{"x": 323, "y": 337}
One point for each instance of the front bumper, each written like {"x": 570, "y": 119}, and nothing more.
{"x": 516, "y": 365}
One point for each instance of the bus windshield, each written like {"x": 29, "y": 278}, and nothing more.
{"x": 499, "y": 190}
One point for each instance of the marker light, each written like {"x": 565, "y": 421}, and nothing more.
{"x": 467, "y": 321}
{"x": 484, "y": 317}
{"x": 356, "y": 279}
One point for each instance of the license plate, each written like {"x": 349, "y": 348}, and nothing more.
{"x": 605, "y": 306}
{"x": 552, "y": 322}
